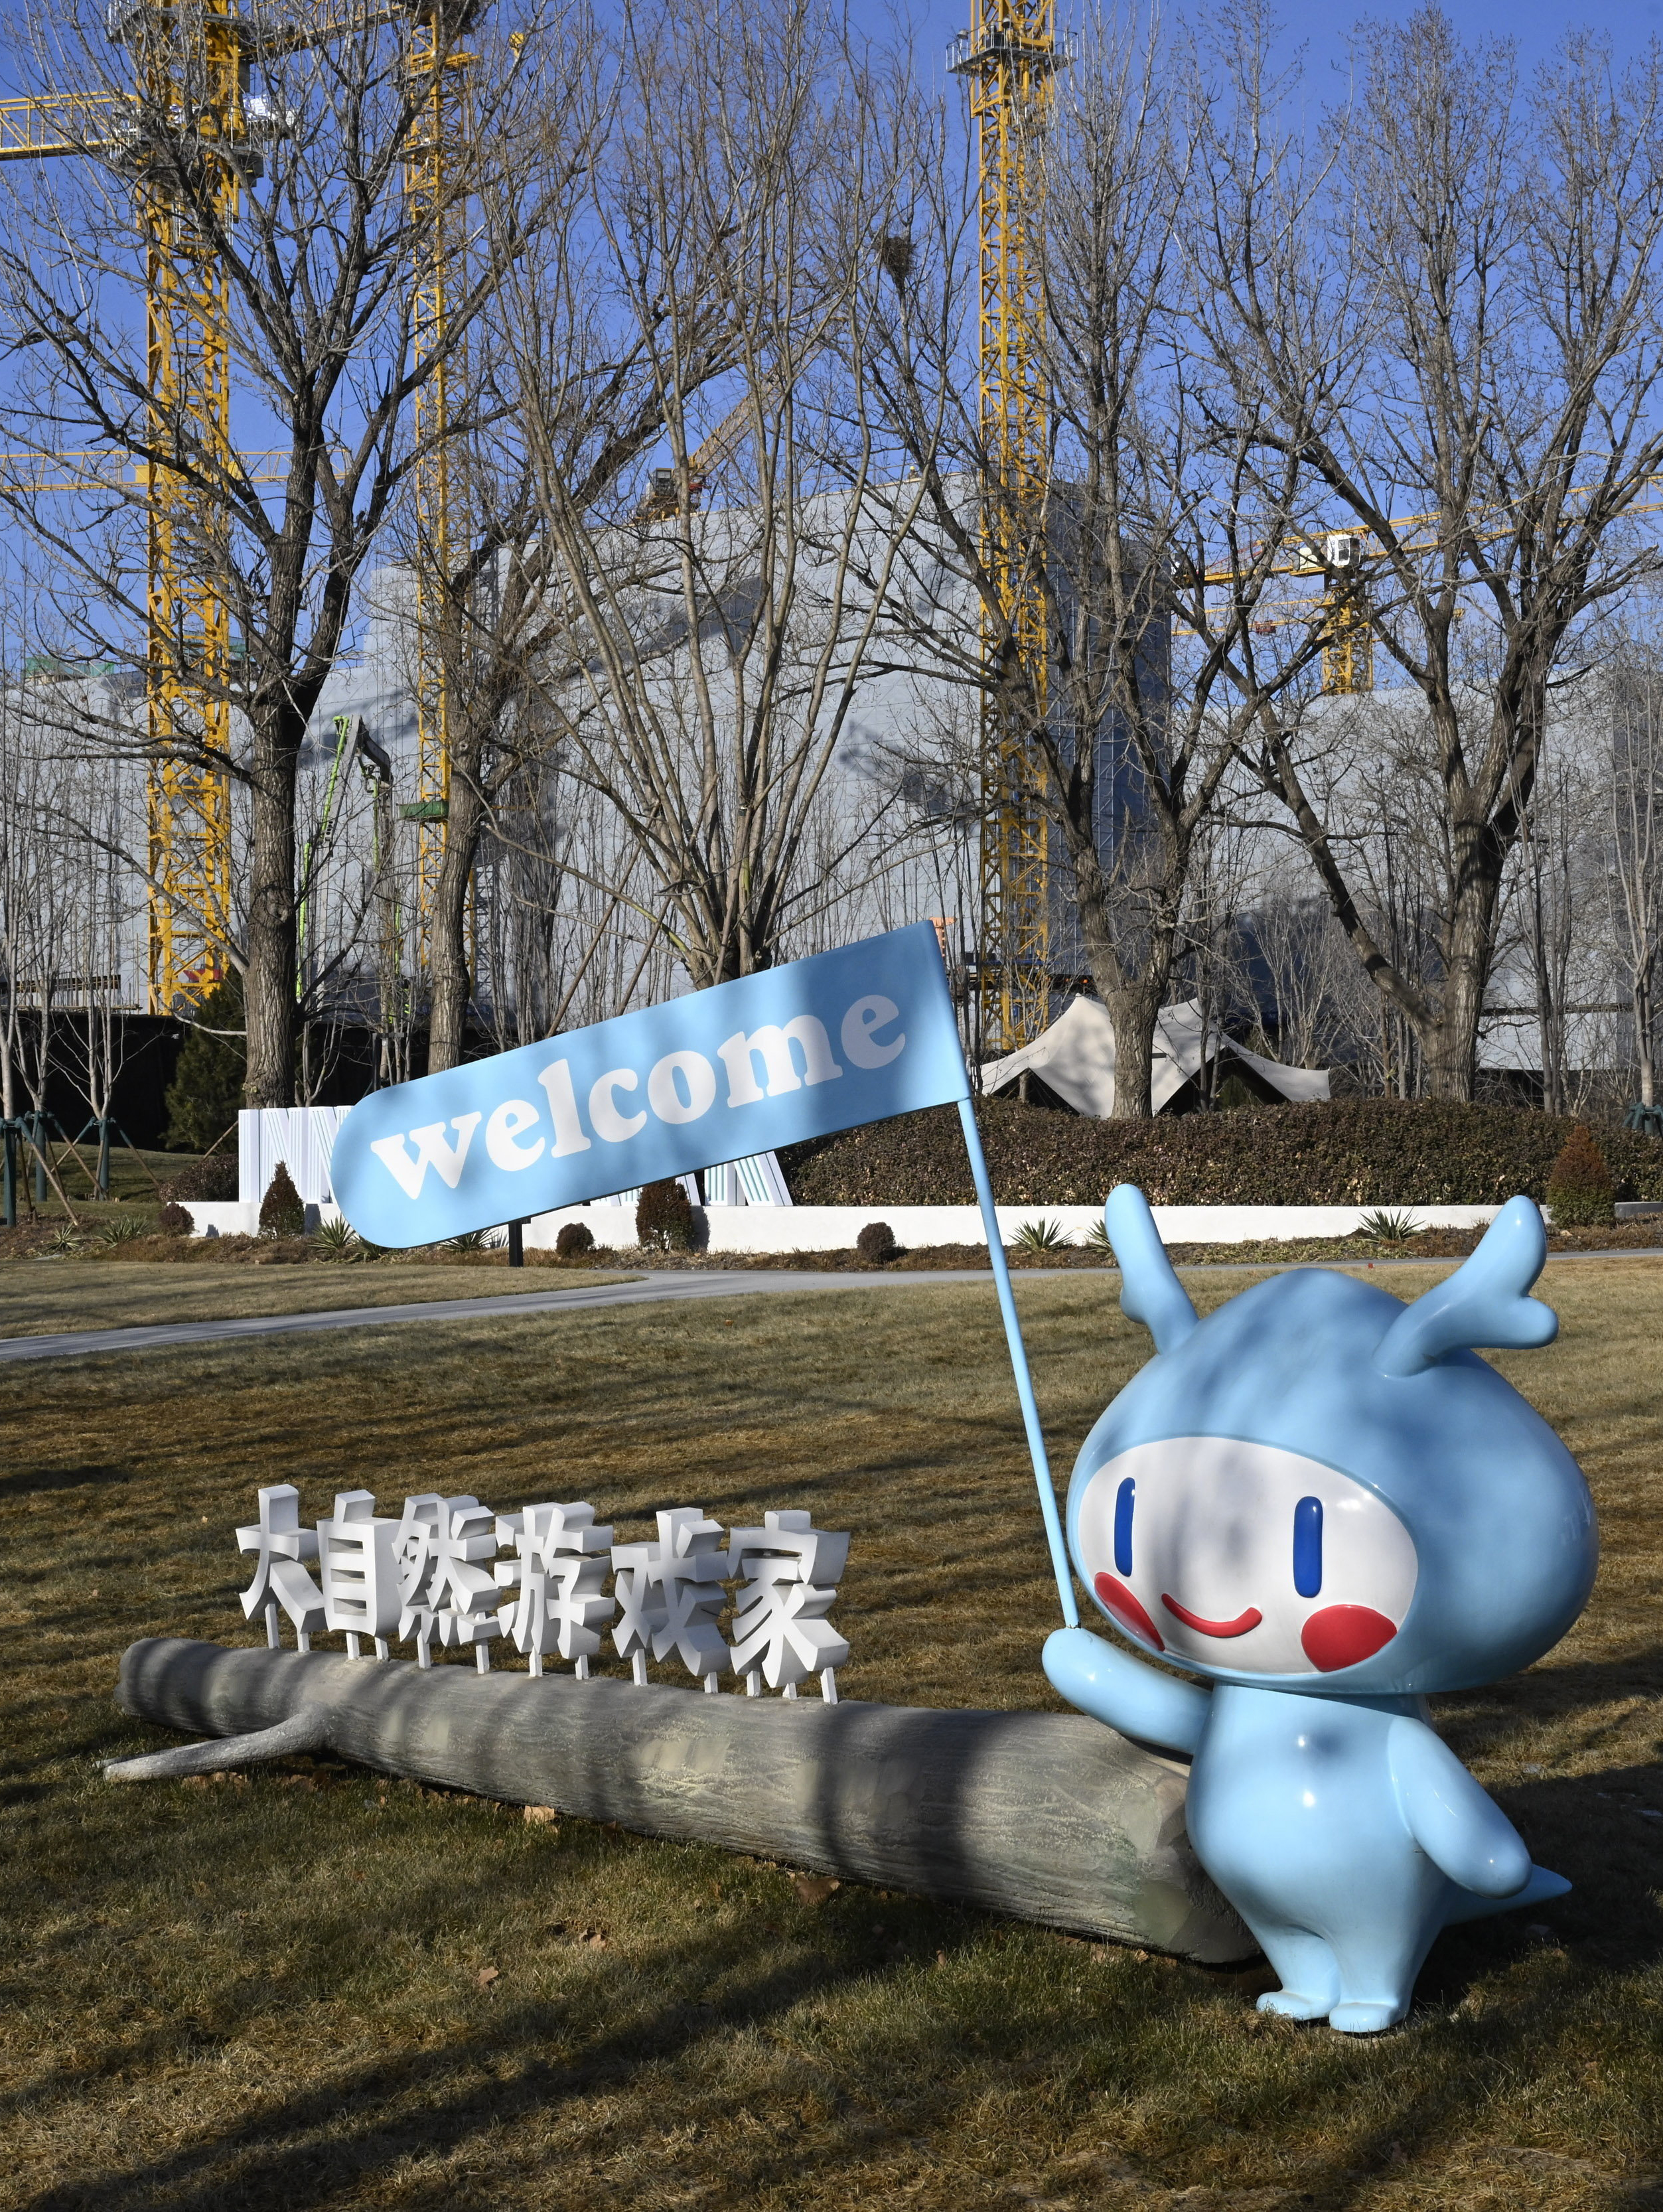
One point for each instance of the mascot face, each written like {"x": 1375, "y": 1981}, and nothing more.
{"x": 1223, "y": 1553}
{"x": 1320, "y": 1489}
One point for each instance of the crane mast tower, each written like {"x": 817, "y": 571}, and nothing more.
{"x": 439, "y": 87}
{"x": 1010, "y": 57}
{"x": 188, "y": 62}
{"x": 191, "y": 63}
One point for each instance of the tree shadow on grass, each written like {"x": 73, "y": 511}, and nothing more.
{"x": 934, "y": 2049}
{"x": 34, "y": 1481}
{"x": 316, "y": 2146}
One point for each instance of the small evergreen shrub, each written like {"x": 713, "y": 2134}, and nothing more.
{"x": 283, "y": 1213}
{"x": 663, "y": 1218}
{"x": 875, "y": 1243}
{"x": 1579, "y": 1185}
{"x": 209, "y": 1181}
{"x": 172, "y": 1221}
{"x": 575, "y": 1238}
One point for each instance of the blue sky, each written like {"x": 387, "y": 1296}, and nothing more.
{"x": 1321, "y": 26}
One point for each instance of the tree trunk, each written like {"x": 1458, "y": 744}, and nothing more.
{"x": 1133, "y": 1011}
{"x": 1049, "y": 1816}
{"x": 448, "y": 976}
{"x": 1642, "y": 1038}
{"x": 269, "y": 978}
{"x": 1450, "y": 1044}
{"x": 1133, "y": 1003}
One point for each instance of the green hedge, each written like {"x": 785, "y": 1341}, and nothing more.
{"x": 1361, "y": 1151}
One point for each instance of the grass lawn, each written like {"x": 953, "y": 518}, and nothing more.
{"x": 314, "y": 1988}
{"x": 134, "y": 1176}
{"x": 39, "y": 1297}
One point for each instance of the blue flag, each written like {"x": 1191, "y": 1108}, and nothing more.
{"x": 796, "y": 1052}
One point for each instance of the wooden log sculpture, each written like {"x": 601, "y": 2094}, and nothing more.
{"x": 1046, "y": 1816}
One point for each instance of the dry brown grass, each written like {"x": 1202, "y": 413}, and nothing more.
{"x": 279, "y": 1994}
{"x": 39, "y": 1297}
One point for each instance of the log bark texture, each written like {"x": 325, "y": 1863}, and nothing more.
{"x": 1046, "y": 1816}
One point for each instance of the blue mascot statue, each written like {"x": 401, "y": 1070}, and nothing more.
{"x": 1321, "y": 1501}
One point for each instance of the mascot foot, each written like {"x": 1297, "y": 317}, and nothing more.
{"x": 1294, "y": 2004}
{"x": 1351, "y": 2018}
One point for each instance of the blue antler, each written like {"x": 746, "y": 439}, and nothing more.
{"x": 1483, "y": 1302}
{"x": 1149, "y": 1292}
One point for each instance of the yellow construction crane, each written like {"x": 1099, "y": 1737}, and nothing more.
{"x": 666, "y": 497}
{"x": 439, "y": 81}
{"x": 187, "y": 63}
{"x": 1338, "y": 557}
{"x": 1342, "y": 559}
{"x": 191, "y": 65}
{"x": 1348, "y": 642}
{"x": 1010, "y": 55}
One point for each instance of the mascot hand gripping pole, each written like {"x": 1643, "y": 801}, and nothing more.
{"x": 1324, "y": 1503}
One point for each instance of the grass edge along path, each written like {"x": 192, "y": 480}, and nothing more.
{"x": 648, "y": 1283}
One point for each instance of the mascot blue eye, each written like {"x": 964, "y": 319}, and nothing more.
{"x": 1125, "y": 1497}
{"x": 1308, "y": 1547}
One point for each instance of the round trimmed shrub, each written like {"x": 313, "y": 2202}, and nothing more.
{"x": 875, "y": 1243}
{"x": 575, "y": 1238}
{"x": 207, "y": 1181}
{"x": 172, "y": 1221}
{"x": 283, "y": 1213}
{"x": 663, "y": 1218}
{"x": 1579, "y": 1184}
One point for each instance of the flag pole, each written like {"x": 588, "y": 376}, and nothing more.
{"x": 1030, "y": 1412}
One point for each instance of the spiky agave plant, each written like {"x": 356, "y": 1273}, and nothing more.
{"x": 338, "y": 1238}
{"x": 1043, "y": 1236}
{"x": 1390, "y": 1226}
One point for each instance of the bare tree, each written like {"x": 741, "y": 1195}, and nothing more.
{"x": 1151, "y": 674}
{"x": 30, "y": 904}
{"x": 589, "y": 373}
{"x": 1636, "y": 803}
{"x": 315, "y": 248}
{"x": 98, "y": 934}
{"x": 1449, "y": 319}
{"x": 715, "y": 637}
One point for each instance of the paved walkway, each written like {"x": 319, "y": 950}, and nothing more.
{"x": 668, "y": 1288}
{"x": 651, "y": 1290}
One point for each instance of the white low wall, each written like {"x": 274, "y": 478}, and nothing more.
{"x": 834, "y": 1228}
{"x": 233, "y": 1217}
{"x": 222, "y": 1217}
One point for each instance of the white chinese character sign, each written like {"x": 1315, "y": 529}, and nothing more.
{"x": 433, "y": 1577}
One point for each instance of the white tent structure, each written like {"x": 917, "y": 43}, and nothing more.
{"x": 1075, "y": 1057}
